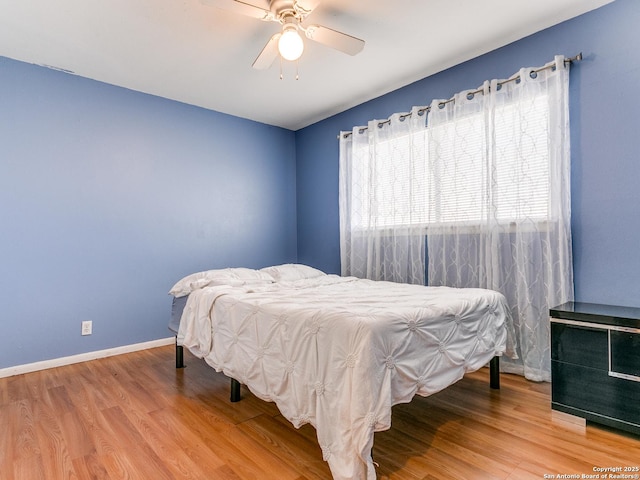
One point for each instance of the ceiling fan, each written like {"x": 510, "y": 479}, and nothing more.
{"x": 288, "y": 42}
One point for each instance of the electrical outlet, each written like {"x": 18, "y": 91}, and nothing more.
{"x": 87, "y": 327}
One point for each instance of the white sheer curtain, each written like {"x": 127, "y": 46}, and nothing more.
{"x": 382, "y": 199}
{"x": 500, "y": 200}
{"x": 487, "y": 180}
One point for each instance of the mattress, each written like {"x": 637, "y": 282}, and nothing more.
{"x": 177, "y": 306}
{"x": 339, "y": 352}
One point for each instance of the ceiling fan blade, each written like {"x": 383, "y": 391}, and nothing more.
{"x": 334, "y": 39}
{"x": 268, "y": 53}
{"x": 240, "y": 7}
{"x": 306, "y": 6}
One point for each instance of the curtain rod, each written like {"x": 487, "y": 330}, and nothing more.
{"x": 567, "y": 61}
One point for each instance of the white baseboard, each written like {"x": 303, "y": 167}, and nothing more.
{"x": 83, "y": 357}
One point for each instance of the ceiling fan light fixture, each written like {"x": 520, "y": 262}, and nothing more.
{"x": 290, "y": 44}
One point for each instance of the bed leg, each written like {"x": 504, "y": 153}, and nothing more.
{"x": 494, "y": 373}
{"x": 179, "y": 356}
{"x": 235, "y": 390}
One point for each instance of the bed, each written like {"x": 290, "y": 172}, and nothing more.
{"x": 338, "y": 352}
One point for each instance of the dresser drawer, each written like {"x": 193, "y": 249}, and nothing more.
{"x": 625, "y": 354}
{"x": 588, "y": 347}
{"x": 596, "y": 395}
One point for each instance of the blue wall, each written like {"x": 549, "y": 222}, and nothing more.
{"x": 108, "y": 197}
{"x": 605, "y": 130}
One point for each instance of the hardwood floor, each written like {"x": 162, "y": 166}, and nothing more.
{"x": 135, "y": 416}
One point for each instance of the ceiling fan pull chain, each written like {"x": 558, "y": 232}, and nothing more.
{"x": 297, "y": 64}
{"x": 281, "y": 76}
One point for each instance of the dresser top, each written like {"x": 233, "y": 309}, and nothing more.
{"x": 597, "y": 313}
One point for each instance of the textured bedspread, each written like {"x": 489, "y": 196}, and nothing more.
{"x": 339, "y": 352}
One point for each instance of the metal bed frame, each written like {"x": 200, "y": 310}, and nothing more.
{"x": 494, "y": 373}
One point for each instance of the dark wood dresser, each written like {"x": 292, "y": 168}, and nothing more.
{"x": 595, "y": 363}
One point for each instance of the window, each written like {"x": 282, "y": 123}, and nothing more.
{"x": 401, "y": 185}
{"x": 394, "y": 189}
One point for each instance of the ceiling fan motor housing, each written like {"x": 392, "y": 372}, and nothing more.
{"x": 284, "y": 9}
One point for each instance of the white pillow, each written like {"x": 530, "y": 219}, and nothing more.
{"x": 235, "y": 277}
{"x": 290, "y": 272}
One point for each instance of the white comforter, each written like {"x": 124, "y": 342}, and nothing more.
{"x": 339, "y": 352}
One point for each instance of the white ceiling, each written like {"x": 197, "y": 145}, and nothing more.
{"x": 202, "y": 55}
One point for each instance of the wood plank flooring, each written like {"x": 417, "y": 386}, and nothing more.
{"x": 135, "y": 416}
